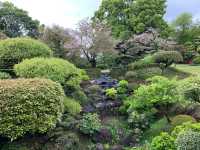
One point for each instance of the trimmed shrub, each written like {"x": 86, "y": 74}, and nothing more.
{"x": 111, "y": 93}
{"x": 90, "y": 123}
{"x": 188, "y": 140}
{"x": 55, "y": 69}
{"x": 180, "y": 119}
{"x": 190, "y": 89}
{"x": 167, "y": 58}
{"x": 71, "y": 106}
{"x": 14, "y": 50}
{"x": 29, "y": 106}
{"x": 163, "y": 142}
{"x": 4, "y": 75}
{"x": 196, "y": 60}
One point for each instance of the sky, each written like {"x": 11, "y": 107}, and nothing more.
{"x": 67, "y": 13}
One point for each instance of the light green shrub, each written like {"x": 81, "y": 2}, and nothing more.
{"x": 90, "y": 123}
{"x": 4, "y": 75}
{"x": 188, "y": 140}
{"x": 29, "y": 106}
{"x": 196, "y": 60}
{"x": 111, "y": 93}
{"x": 14, "y": 50}
{"x": 163, "y": 142}
{"x": 71, "y": 106}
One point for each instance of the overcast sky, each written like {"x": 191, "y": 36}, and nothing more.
{"x": 67, "y": 13}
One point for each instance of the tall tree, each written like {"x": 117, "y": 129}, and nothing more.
{"x": 127, "y": 17}
{"x": 94, "y": 38}
{"x": 15, "y": 22}
{"x": 55, "y": 37}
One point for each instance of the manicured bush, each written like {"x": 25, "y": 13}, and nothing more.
{"x": 190, "y": 89}
{"x": 196, "y": 60}
{"x": 55, "y": 69}
{"x": 163, "y": 142}
{"x": 167, "y": 58}
{"x": 90, "y": 123}
{"x": 180, "y": 119}
{"x": 29, "y": 106}
{"x": 4, "y": 75}
{"x": 14, "y": 50}
{"x": 188, "y": 140}
{"x": 71, "y": 106}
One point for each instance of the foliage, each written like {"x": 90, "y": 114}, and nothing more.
{"x": 196, "y": 60}
{"x": 14, "y": 50}
{"x": 77, "y": 94}
{"x": 189, "y": 88}
{"x": 188, "y": 140}
{"x": 13, "y": 146}
{"x": 163, "y": 142}
{"x": 167, "y": 58}
{"x": 90, "y": 123}
{"x": 146, "y": 62}
{"x": 16, "y": 22}
{"x": 180, "y": 119}
{"x": 122, "y": 87}
{"x": 52, "y": 68}
{"x": 130, "y": 17}
{"x": 71, "y": 106}
{"x": 4, "y": 75}
{"x": 29, "y": 106}
{"x": 56, "y": 37}
{"x": 160, "y": 93}
{"x": 111, "y": 93}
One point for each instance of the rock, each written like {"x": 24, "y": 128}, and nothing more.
{"x": 117, "y": 147}
{"x": 99, "y": 146}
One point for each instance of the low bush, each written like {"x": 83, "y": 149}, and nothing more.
{"x": 90, "y": 124}
{"x": 13, "y": 146}
{"x": 4, "y": 75}
{"x": 163, "y": 142}
{"x": 29, "y": 106}
{"x": 196, "y": 60}
{"x": 180, "y": 119}
{"x": 111, "y": 93}
{"x": 189, "y": 88}
{"x": 71, "y": 106}
{"x": 14, "y": 50}
{"x": 188, "y": 140}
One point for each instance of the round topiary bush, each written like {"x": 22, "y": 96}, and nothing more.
{"x": 4, "y": 75}
{"x": 55, "y": 69}
{"x": 180, "y": 119}
{"x": 29, "y": 106}
{"x": 13, "y": 51}
{"x": 188, "y": 140}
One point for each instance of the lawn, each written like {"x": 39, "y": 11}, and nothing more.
{"x": 195, "y": 70}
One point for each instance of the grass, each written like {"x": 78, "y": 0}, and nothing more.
{"x": 191, "y": 69}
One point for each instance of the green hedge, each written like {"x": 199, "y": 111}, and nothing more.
{"x": 13, "y": 51}
{"x": 4, "y": 75}
{"x": 55, "y": 69}
{"x": 29, "y": 106}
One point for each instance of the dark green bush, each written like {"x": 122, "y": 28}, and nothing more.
{"x": 167, "y": 58}
{"x": 13, "y": 51}
{"x": 188, "y": 140}
{"x": 13, "y": 146}
{"x": 71, "y": 106}
{"x": 4, "y": 75}
{"x": 90, "y": 123}
{"x": 180, "y": 119}
{"x": 196, "y": 60}
{"x": 29, "y": 106}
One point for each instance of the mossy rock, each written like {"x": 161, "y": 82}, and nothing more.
{"x": 180, "y": 119}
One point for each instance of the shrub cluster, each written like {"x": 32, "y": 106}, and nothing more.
{"x": 29, "y": 106}
{"x": 71, "y": 106}
{"x": 4, "y": 75}
{"x": 13, "y": 51}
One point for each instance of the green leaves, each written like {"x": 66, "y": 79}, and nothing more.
{"x": 29, "y": 106}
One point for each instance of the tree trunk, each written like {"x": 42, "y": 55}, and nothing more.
{"x": 93, "y": 63}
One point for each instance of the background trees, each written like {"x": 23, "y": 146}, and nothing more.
{"x": 16, "y": 22}
{"x": 127, "y": 17}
